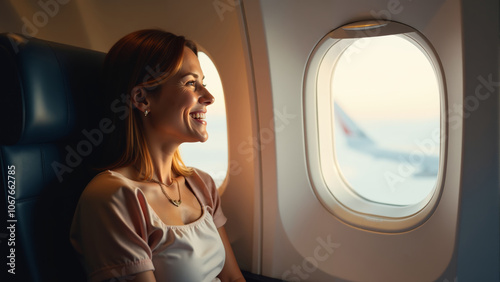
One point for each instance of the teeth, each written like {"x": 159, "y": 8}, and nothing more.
{"x": 198, "y": 115}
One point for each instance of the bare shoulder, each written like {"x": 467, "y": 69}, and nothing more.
{"x": 106, "y": 184}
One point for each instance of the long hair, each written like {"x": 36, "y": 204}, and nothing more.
{"x": 142, "y": 58}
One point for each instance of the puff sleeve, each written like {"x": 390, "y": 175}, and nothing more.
{"x": 109, "y": 229}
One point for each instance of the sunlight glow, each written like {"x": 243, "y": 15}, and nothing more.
{"x": 386, "y": 77}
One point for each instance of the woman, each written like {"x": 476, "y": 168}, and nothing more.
{"x": 148, "y": 217}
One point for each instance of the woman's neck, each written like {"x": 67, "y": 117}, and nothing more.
{"x": 161, "y": 157}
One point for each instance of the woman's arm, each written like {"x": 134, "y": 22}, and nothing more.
{"x": 231, "y": 272}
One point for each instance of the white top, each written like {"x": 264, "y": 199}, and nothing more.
{"x": 194, "y": 252}
{"x": 118, "y": 234}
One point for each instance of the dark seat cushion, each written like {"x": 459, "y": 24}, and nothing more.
{"x": 49, "y": 95}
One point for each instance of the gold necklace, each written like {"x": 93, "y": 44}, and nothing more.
{"x": 176, "y": 203}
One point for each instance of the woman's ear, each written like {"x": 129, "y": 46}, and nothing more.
{"x": 139, "y": 98}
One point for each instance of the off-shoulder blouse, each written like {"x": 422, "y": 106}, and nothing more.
{"x": 118, "y": 234}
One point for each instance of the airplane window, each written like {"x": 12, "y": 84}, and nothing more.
{"x": 387, "y": 127}
{"x": 212, "y": 155}
{"x": 375, "y": 124}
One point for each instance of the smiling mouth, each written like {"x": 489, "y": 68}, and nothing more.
{"x": 199, "y": 117}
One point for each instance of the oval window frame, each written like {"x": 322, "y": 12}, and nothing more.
{"x": 330, "y": 188}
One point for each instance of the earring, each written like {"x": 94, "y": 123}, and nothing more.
{"x": 146, "y": 112}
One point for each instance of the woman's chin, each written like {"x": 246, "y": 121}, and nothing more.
{"x": 199, "y": 138}
{"x": 204, "y": 138}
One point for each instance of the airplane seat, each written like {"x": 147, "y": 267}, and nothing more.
{"x": 49, "y": 124}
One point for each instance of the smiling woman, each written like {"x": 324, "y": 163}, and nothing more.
{"x": 212, "y": 155}
{"x": 148, "y": 215}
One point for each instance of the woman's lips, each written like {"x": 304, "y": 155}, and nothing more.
{"x": 199, "y": 117}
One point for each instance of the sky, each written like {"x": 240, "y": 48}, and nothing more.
{"x": 388, "y": 86}
{"x": 386, "y": 77}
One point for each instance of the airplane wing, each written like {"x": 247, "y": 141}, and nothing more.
{"x": 420, "y": 162}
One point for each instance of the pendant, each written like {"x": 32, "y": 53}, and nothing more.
{"x": 176, "y": 203}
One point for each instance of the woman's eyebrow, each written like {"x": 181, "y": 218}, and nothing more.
{"x": 193, "y": 74}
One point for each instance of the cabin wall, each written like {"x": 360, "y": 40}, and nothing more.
{"x": 295, "y": 224}
{"x": 478, "y": 245}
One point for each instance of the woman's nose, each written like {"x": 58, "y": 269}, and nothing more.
{"x": 206, "y": 98}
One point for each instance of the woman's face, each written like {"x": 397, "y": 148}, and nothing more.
{"x": 178, "y": 109}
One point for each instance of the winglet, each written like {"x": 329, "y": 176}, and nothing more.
{"x": 354, "y": 134}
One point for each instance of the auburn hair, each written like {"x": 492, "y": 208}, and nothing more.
{"x": 142, "y": 58}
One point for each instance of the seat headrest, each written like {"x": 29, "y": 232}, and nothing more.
{"x": 43, "y": 84}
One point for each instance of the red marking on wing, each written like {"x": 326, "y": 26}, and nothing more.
{"x": 346, "y": 129}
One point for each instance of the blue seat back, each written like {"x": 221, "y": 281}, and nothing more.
{"x": 49, "y": 136}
